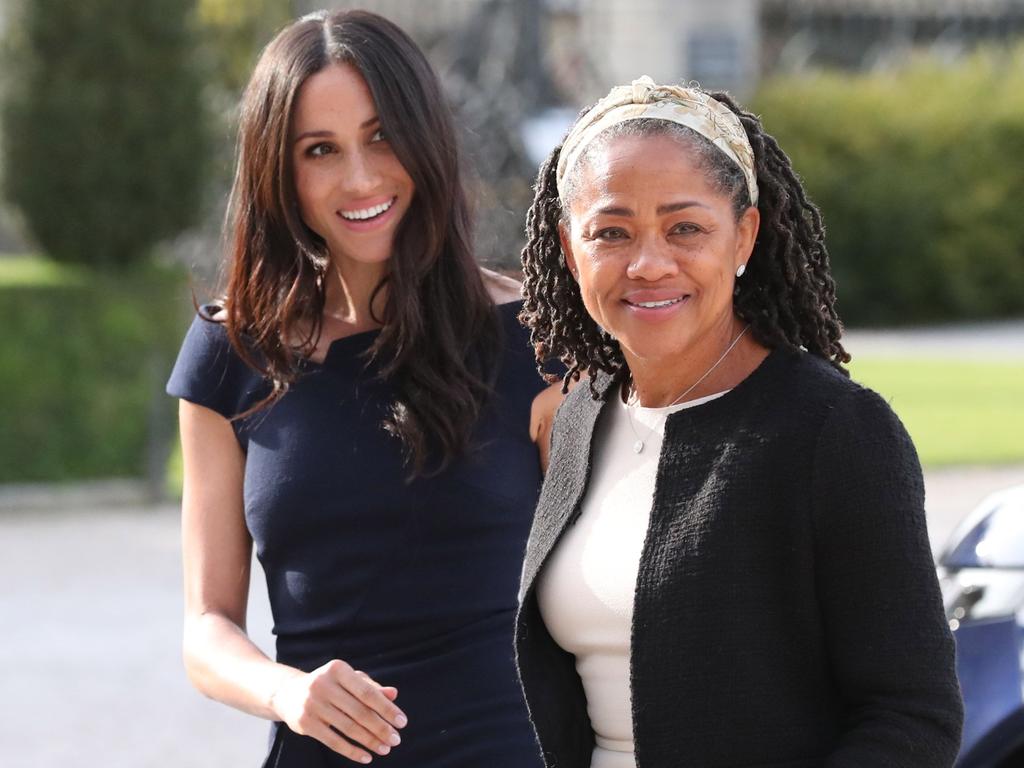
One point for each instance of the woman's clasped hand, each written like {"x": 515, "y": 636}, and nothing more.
{"x": 336, "y": 701}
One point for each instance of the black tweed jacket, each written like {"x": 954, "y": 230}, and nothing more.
{"x": 787, "y": 613}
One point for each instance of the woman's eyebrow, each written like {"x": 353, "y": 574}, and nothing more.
{"x": 618, "y": 210}
{"x": 681, "y": 205}
{"x": 324, "y": 134}
{"x": 314, "y": 135}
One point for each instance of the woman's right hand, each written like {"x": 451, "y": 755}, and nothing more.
{"x": 336, "y": 699}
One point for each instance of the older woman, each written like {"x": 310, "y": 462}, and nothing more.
{"x": 729, "y": 564}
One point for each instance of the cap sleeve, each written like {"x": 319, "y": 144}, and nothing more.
{"x": 517, "y": 340}
{"x": 210, "y": 373}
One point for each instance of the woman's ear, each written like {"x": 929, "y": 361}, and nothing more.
{"x": 746, "y": 235}
{"x": 570, "y": 260}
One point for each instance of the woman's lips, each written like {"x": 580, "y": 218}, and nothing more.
{"x": 367, "y": 217}
{"x": 655, "y": 303}
{"x": 655, "y": 307}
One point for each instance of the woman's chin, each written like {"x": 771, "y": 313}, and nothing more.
{"x": 652, "y": 351}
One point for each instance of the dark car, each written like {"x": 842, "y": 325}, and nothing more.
{"x": 982, "y": 577}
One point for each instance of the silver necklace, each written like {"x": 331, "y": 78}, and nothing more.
{"x": 638, "y": 446}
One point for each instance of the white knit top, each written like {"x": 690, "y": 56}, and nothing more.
{"x": 586, "y": 589}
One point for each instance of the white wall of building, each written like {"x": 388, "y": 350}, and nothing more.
{"x": 715, "y": 42}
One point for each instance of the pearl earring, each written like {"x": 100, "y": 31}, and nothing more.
{"x": 740, "y": 270}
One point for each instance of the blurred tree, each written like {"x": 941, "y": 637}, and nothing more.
{"x": 237, "y": 30}
{"x": 105, "y": 132}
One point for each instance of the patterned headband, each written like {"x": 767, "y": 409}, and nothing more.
{"x": 645, "y": 99}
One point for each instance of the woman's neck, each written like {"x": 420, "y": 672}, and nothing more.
{"x": 718, "y": 361}
{"x": 349, "y": 290}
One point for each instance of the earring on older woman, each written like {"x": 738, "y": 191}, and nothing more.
{"x": 740, "y": 270}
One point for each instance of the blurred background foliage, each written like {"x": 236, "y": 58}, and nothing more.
{"x": 235, "y": 31}
{"x": 107, "y": 140}
{"x": 105, "y": 133}
{"x": 82, "y": 367}
{"x": 117, "y": 133}
{"x": 919, "y": 176}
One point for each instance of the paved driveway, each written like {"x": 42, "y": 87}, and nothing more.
{"x": 90, "y": 662}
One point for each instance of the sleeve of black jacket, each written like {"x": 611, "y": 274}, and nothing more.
{"x": 892, "y": 652}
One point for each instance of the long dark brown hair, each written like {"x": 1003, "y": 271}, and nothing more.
{"x": 787, "y": 294}
{"x": 438, "y": 340}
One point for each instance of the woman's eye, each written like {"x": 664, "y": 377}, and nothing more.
{"x": 610, "y": 233}
{"x": 378, "y": 135}
{"x": 685, "y": 228}
{"x": 319, "y": 150}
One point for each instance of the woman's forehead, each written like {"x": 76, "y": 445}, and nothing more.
{"x": 336, "y": 92}
{"x": 638, "y": 166}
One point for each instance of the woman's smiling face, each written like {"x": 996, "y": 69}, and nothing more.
{"x": 654, "y": 246}
{"x": 352, "y": 189}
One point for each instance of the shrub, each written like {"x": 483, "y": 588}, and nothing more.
{"x": 918, "y": 175}
{"x": 105, "y": 134}
{"x": 82, "y": 370}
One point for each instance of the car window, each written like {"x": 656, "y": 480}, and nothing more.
{"x": 996, "y": 542}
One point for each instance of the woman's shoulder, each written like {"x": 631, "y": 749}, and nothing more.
{"x": 850, "y": 416}
{"x": 815, "y": 379}
{"x": 518, "y": 367}
{"x": 207, "y": 338}
{"x": 209, "y": 371}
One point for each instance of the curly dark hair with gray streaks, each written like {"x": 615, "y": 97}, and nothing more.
{"x": 787, "y": 294}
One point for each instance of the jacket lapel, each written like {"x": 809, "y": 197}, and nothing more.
{"x": 567, "y": 476}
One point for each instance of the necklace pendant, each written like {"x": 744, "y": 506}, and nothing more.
{"x": 638, "y": 446}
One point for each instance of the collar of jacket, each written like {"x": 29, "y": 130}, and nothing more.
{"x": 559, "y": 503}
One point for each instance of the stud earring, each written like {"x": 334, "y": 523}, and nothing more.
{"x": 740, "y": 270}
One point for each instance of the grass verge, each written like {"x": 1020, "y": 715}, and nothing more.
{"x": 30, "y": 271}
{"x": 957, "y": 411}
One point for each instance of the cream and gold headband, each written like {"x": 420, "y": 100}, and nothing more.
{"x": 685, "y": 106}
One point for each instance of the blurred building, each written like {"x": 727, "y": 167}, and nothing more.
{"x": 871, "y": 34}
{"x": 713, "y": 42}
{"x": 588, "y": 44}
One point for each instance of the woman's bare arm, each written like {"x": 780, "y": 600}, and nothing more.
{"x": 221, "y": 661}
{"x": 542, "y": 417}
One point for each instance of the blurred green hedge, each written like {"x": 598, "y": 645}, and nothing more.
{"x": 920, "y": 177}
{"x": 106, "y": 132}
{"x": 82, "y": 370}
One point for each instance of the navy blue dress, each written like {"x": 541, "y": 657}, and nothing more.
{"x": 413, "y": 583}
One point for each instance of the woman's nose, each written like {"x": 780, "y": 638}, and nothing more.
{"x": 361, "y": 176}
{"x": 651, "y": 263}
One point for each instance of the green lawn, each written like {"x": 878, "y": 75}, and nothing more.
{"x": 17, "y": 271}
{"x": 957, "y": 411}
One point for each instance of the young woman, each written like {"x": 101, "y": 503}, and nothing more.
{"x": 361, "y": 407}
{"x": 729, "y": 564}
